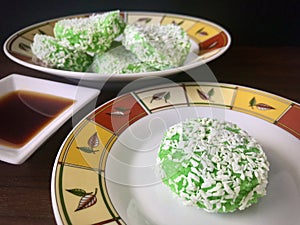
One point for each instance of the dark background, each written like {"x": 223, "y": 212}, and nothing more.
{"x": 264, "y": 55}
{"x": 254, "y": 22}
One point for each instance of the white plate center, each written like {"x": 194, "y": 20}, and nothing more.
{"x": 140, "y": 198}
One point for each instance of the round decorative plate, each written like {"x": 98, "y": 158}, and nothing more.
{"x": 105, "y": 171}
{"x": 208, "y": 39}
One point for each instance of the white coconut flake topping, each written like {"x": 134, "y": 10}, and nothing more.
{"x": 160, "y": 46}
{"x": 222, "y": 168}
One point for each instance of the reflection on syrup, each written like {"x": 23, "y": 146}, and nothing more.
{"x": 25, "y": 113}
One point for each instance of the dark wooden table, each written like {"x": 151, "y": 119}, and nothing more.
{"x": 25, "y": 189}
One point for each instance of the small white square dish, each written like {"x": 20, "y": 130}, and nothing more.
{"x": 32, "y": 109}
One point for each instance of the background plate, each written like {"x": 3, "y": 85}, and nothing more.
{"x": 209, "y": 41}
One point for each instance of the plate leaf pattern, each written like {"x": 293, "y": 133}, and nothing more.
{"x": 260, "y": 106}
{"x": 41, "y": 32}
{"x": 78, "y": 192}
{"x": 201, "y": 32}
{"x": 24, "y": 47}
{"x": 118, "y": 111}
{"x": 144, "y": 20}
{"x": 87, "y": 199}
{"x": 213, "y": 44}
{"x": 263, "y": 106}
{"x": 167, "y": 97}
{"x": 206, "y": 96}
{"x": 178, "y": 23}
{"x": 161, "y": 95}
{"x": 92, "y": 142}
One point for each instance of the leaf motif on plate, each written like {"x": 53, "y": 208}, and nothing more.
{"x": 92, "y": 142}
{"x": 87, "y": 199}
{"x": 201, "y": 32}
{"x": 260, "y": 106}
{"x": 77, "y": 191}
{"x": 263, "y": 106}
{"x": 178, "y": 23}
{"x": 41, "y": 32}
{"x": 206, "y": 96}
{"x": 202, "y": 94}
{"x": 211, "y": 92}
{"x": 144, "y": 19}
{"x": 24, "y": 47}
{"x": 213, "y": 44}
{"x": 158, "y": 96}
{"x": 167, "y": 96}
{"x": 252, "y": 102}
{"x": 87, "y": 149}
{"x": 118, "y": 111}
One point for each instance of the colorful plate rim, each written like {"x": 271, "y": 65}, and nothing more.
{"x": 109, "y": 120}
{"x": 211, "y": 39}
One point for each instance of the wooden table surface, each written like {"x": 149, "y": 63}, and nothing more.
{"x": 25, "y": 189}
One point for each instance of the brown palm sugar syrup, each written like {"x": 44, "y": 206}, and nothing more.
{"x": 24, "y": 113}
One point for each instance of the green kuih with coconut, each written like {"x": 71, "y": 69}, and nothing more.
{"x": 93, "y": 34}
{"x": 86, "y": 44}
{"x": 54, "y": 54}
{"x": 118, "y": 60}
{"x": 213, "y": 165}
{"x": 159, "y": 46}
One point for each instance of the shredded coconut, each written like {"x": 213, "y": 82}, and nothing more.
{"x": 222, "y": 168}
{"x": 52, "y": 52}
{"x": 93, "y": 34}
{"x": 118, "y": 60}
{"x": 160, "y": 46}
